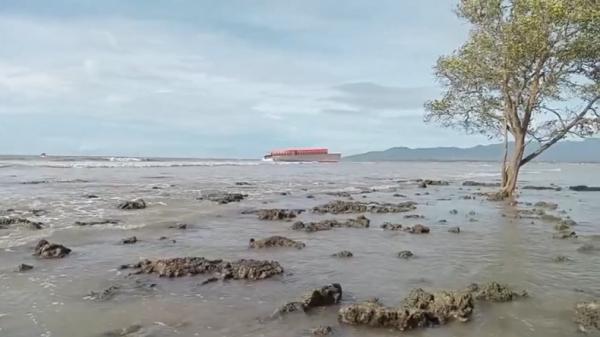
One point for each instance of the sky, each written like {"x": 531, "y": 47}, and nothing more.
{"x": 227, "y": 79}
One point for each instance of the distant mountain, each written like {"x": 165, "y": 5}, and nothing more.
{"x": 566, "y": 151}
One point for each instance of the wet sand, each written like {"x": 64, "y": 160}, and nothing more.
{"x": 493, "y": 244}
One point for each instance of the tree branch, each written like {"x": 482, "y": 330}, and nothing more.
{"x": 562, "y": 133}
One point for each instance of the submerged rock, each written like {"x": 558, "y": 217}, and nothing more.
{"x": 47, "y": 250}
{"x": 96, "y": 222}
{"x": 360, "y": 222}
{"x": 343, "y": 253}
{"x": 23, "y": 267}
{"x": 495, "y": 292}
{"x": 276, "y": 241}
{"x": 188, "y": 266}
{"x": 181, "y": 226}
{"x": 405, "y": 254}
{"x": 561, "y": 259}
{"x": 414, "y": 216}
{"x": 546, "y": 204}
{"x": 6, "y": 221}
{"x": 133, "y": 204}
{"x": 327, "y": 295}
{"x": 588, "y": 248}
{"x": 417, "y": 229}
{"x": 584, "y": 188}
{"x": 454, "y": 229}
{"x": 340, "y": 206}
{"x": 565, "y": 234}
{"x": 480, "y": 184}
{"x": 322, "y": 331}
{"x": 587, "y": 316}
{"x": 542, "y": 188}
{"x": 277, "y": 214}
{"x": 391, "y": 226}
{"x": 420, "y": 309}
{"x": 223, "y": 197}
{"x": 129, "y": 240}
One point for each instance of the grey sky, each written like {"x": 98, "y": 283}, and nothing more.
{"x": 220, "y": 78}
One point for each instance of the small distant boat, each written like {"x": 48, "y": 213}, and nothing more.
{"x": 303, "y": 154}
{"x": 43, "y": 155}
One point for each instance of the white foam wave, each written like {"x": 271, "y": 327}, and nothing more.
{"x": 132, "y": 164}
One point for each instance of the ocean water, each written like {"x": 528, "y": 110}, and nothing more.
{"x": 52, "y": 299}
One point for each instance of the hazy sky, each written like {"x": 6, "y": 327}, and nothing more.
{"x": 221, "y": 78}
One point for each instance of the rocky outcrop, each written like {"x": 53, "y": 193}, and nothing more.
{"x": 343, "y": 253}
{"x": 7, "y": 221}
{"x": 546, "y": 205}
{"x": 278, "y": 214}
{"x": 340, "y": 206}
{"x": 419, "y": 310}
{"x": 542, "y": 188}
{"x": 587, "y": 316}
{"x": 416, "y": 229}
{"x": 188, "y": 266}
{"x": 495, "y": 292}
{"x": 328, "y": 295}
{"x": 47, "y": 250}
{"x": 360, "y": 222}
{"x": 584, "y": 188}
{"x": 414, "y": 216}
{"x": 133, "y": 204}
{"x": 223, "y": 197}
{"x": 276, "y": 241}
{"x": 428, "y": 182}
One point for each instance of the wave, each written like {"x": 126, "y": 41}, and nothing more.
{"x": 132, "y": 164}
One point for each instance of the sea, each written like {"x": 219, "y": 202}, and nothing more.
{"x": 59, "y": 297}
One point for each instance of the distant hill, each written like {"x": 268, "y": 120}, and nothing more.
{"x": 566, "y": 151}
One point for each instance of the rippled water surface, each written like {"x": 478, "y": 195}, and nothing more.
{"x": 51, "y": 299}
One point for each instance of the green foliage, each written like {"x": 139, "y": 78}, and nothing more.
{"x": 532, "y": 64}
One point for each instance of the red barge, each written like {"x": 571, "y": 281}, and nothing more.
{"x": 304, "y": 154}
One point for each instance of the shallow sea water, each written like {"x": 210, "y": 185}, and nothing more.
{"x": 51, "y": 299}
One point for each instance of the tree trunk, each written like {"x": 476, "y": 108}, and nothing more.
{"x": 511, "y": 170}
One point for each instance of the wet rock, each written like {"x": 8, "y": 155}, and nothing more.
{"x": 434, "y": 182}
{"x": 125, "y": 332}
{"x": 587, "y": 316}
{"x": 181, "y": 226}
{"x": 310, "y": 196}
{"x": 327, "y": 295}
{"x": 340, "y": 206}
{"x": 209, "y": 280}
{"x": 23, "y": 267}
{"x": 422, "y": 185}
{"x": 129, "y": 240}
{"x": 276, "y": 241}
{"x": 343, "y": 253}
{"x": 480, "y": 184}
{"x": 96, "y": 222}
{"x": 360, "y": 222}
{"x": 405, "y": 254}
{"x": 277, "y": 214}
{"x": 90, "y": 196}
{"x": 561, "y": 259}
{"x": 546, "y": 204}
{"x": 472, "y": 213}
{"x": 322, "y": 331}
{"x": 584, "y": 188}
{"x": 419, "y": 310}
{"x": 566, "y": 234}
{"x": 103, "y": 295}
{"x": 588, "y": 248}
{"x": 454, "y": 229}
{"x": 188, "y": 266}
{"x": 398, "y": 195}
{"x": 495, "y": 292}
{"x": 223, "y": 197}
{"x": 47, "y": 250}
{"x": 133, "y": 204}
{"x": 242, "y": 183}
{"x": 442, "y": 221}
{"x": 542, "y": 188}
{"x": 417, "y": 229}
{"x": 391, "y": 227}
{"x": 6, "y": 221}
{"x": 453, "y": 211}
{"x": 340, "y": 194}
{"x": 414, "y": 216}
